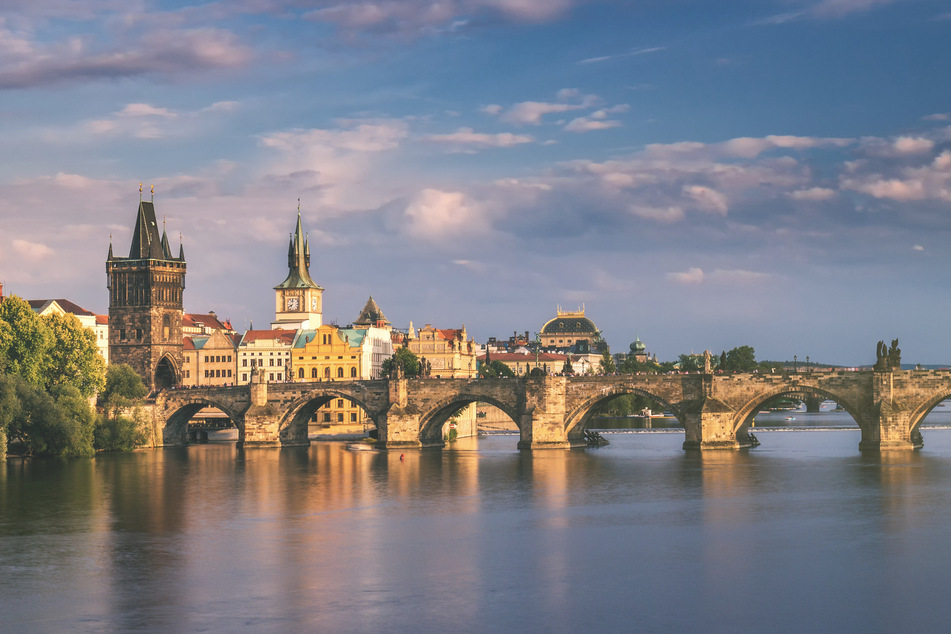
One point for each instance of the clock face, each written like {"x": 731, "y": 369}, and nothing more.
{"x": 293, "y": 303}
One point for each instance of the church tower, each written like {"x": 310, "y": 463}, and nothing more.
{"x": 298, "y": 300}
{"x": 145, "y": 304}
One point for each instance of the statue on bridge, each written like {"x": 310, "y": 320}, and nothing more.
{"x": 886, "y": 358}
{"x": 707, "y": 366}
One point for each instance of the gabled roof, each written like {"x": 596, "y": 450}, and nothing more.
{"x": 102, "y": 320}
{"x": 209, "y": 321}
{"x": 40, "y": 305}
{"x": 279, "y": 337}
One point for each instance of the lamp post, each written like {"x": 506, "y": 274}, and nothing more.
{"x": 538, "y": 346}
{"x": 795, "y": 367}
{"x": 808, "y": 369}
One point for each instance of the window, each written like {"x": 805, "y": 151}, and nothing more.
{"x": 326, "y": 373}
{"x": 353, "y": 373}
{"x": 270, "y": 377}
{"x": 271, "y": 362}
{"x": 122, "y": 333}
{"x": 313, "y": 372}
{"x": 138, "y": 333}
{"x": 339, "y": 402}
{"x": 280, "y": 361}
{"x": 340, "y": 417}
{"x": 229, "y": 374}
{"x": 229, "y": 358}
{"x": 353, "y": 417}
{"x": 339, "y": 373}
{"x": 326, "y": 417}
{"x": 244, "y": 363}
{"x": 300, "y": 373}
{"x": 244, "y": 376}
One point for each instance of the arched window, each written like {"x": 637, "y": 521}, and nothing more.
{"x": 313, "y": 373}
{"x": 353, "y": 373}
{"x": 300, "y": 373}
{"x": 339, "y": 373}
{"x": 326, "y": 373}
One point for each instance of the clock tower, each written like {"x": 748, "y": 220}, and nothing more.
{"x": 298, "y": 301}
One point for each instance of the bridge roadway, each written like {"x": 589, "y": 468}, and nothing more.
{"x": 553, "y": 411}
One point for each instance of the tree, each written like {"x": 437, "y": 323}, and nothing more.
{"x": 409, "y": 361}
{"x": 24, "y": 341}
{"x": 741, "y": 359}
{"x": 123, "y": 388}
{"x": 73, "y": 358}
{"x": 607, "y": 361}
{"x": 495, "y": 370}
{"x": 691, "y": 362}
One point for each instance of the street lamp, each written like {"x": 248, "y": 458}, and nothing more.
{"x": 795, "y": 367}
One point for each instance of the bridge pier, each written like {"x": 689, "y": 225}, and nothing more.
{"x": 544, "y": 419}
{"x": 813, "y": 404}
{"x": 711, "y": 425}
{"x": 891, "y": 431}
{"x": 262, "y": 420}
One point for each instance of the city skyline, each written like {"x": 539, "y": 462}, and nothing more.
{"x": 774, "y": 174}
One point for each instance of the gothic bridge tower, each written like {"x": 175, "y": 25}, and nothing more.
{"x": 145, "y": 304}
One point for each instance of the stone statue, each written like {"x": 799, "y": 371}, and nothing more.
{"x": 706, "y": 362}
{"x": 887, "y": 358}
{"x": 894, "y": 356}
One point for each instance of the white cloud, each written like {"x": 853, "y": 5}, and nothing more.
{"x": 584, "y": 124}
{"x": 436, "y": 215}
{"x": 707, "y": 199}
{"x": 466, "y": 137}
{"x": 917, "y": 247}
{"x": 813, "y": 194}
{"x": 31, "y": 251}
{"x": 691, "y": 276}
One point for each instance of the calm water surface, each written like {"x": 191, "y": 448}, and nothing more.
{"x": 801, "y": 534}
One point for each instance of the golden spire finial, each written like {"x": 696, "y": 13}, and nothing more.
{"x": 298, "y": 205}
{"x": 153, "y": 192}
{"x": 140, "y": 192}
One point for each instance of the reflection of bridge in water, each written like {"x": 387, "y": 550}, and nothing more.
{"x": 552, "y": 412}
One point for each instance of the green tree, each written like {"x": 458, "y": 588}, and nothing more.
{"x": 607, "y": 361}
{"x": 495, "y": 370}
{"x": 24, "y": 341}
{"x": 73, "y": 358}
{"x": 409, "y": 360}
{"x": 741, "y": 359}
{"x": 123, "y": 388}
{"x": 691, "y": 362}
{"x": 115, "y": 431}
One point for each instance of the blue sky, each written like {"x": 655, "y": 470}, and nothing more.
{"x": 774, "y": 173}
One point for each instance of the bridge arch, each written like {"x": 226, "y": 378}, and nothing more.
{"x": 919, "y": 413}
{"x": 179, "y": 411}
{"x": 577, "y": 420}
{"x": 432, "y": 421}
{"x": 747, "y": 412}
{"x": 296, "y": 416}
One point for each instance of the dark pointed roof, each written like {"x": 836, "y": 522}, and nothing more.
{"x": 298, "y": 261}
{"x": 146, "y": 241}
{"x": 371, "y": 315}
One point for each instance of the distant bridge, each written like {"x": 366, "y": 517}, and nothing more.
{"x": 553, "y": 411}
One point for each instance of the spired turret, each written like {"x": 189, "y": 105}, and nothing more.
{"x": 298, "y": 299}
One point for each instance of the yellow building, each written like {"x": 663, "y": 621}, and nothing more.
{"x": 331, "y": 354}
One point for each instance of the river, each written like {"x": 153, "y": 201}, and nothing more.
{"x": 803, "y": 533}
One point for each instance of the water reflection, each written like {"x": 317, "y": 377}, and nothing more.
{"x": 803, "y": 532}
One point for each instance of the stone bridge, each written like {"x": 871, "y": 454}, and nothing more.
{"x": 553, "y": 411}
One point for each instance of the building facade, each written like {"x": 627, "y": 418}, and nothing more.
{"x": 268, "y": 351}
{"x": 209, "y": 360}
{"x": 449, "y": 353}
{"x": 145, "y": 304}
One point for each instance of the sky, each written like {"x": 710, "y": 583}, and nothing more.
{"x": 701, "y": 175}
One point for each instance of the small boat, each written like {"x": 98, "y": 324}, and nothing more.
{"x": 790, "y": 418}
{"x": 359, "y": 446}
